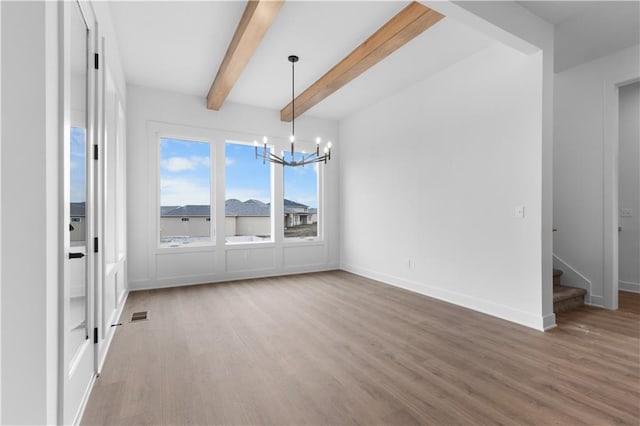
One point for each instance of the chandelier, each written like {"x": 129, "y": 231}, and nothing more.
{"x": 313, "y": 157}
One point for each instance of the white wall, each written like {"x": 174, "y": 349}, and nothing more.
{"x": 29, "y": 180}
{"x": 447, "y": 161}
{"x": 578, "y": 168}
{"x": 629, "y": 252}
{"x": 150, "y": 266}
{"x": 515, "y": 26}
{"x": 0, "y": 213}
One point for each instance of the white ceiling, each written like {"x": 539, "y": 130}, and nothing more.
{"x": 587, "y": 30}
{"x": 178, "y": 46}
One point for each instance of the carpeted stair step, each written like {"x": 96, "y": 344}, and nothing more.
{"x": 557, "y": 273}
{"x": 566, "y": 298}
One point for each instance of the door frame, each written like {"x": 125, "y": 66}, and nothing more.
{"x": 611, "y": 150}
{"x": 64, "y": 360}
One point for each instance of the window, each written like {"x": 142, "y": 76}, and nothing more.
{"x": 78, "y": 180}
{"x": 185, "y": 193}
{"x": 301, "y": 201}
{"x": 247, "y": 195}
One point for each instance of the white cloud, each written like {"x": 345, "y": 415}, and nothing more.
{"x": 228, "y": 161}
{"x": 179, "y": 192}
{"x": 180, "y": 164}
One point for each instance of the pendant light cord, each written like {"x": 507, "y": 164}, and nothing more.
{"x": 293, "y": 98}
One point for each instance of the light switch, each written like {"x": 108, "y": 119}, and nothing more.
{"x": 626, "y": 212}
{"x": 519, "y": 213}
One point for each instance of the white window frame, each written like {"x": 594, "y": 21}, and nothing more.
{"x": 308, "y": 147}
{"x": 243, "y": 141}
{"x": 218, "y": 139}
{"x": 159, "y": 131}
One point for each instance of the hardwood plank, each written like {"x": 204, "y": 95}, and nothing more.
{"x": 629, "y": 302}
{"x": 335, "y": 348}
{"x": 410, "y": 22}
{"x": 256, "y": 20}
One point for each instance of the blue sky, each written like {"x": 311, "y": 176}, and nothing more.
{"x": 78, "y": 165}
{"x": 300, "y": 184}
{"x": 185, "y": 171}
{"x": 245, "y": 177}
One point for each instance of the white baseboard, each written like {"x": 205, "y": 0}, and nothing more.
{"x": 109, "y": 337}
{"x": 629, "y": 286}
{"x": 85, "y": 400}
{"x": 593, "y": 300}
{"x": 229, "y": 276}
{"x": 549, "y": 322}
{"x": 481, "y": 305}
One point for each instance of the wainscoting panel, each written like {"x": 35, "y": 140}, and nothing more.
{"x": 250, "y": 259}
{"x": 303, "y": 255}
{"x": 173, "y": 264}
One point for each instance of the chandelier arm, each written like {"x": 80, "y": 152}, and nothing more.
{"x": 313, "y": 157}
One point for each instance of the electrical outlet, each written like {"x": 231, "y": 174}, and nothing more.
{"x": 626, "y": 212}
{"x": 519, "y": 212}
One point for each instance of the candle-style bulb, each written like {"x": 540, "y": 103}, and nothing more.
{"x": 292, "y": 138}
{"x": 329, "y": 144}
{"x": 264, "y": 140}
{"x": 318, "y": 140}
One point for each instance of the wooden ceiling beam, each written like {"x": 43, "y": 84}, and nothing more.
{"x": 410, "y": 22}
{"x": 256, "y": 20}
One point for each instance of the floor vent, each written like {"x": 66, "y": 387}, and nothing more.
{"x": 139, "y": 316}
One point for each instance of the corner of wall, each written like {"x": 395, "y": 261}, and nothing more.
{"x": 484, "y": 306}
{"x": 549, "y": 322}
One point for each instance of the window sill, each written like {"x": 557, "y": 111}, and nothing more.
{"x": 249, "y": 244}
{"x": 186, "y": 248}
{"x": 307, "y": 241}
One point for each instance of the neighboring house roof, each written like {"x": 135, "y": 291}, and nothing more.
{"x": 289, "y": 203}
{"x": 233, "y": 207}
{"x": 188, "y": 210}
{"x": 293, "y": 207}
{"x": 166, "y": 209}
{"x": 77, "y": 209}
{"x": 254, "y": 208}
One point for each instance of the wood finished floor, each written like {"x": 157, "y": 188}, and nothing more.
{"x": 335, "y": 348}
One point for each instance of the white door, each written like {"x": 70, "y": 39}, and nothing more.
{"x": 108, "y": 295}
{"x": 77, "y": 349}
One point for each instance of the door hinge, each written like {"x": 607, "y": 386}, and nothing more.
{"x": 95, "y": 335}
{"x": 95, "y": 152}
{"x": 95, "y": 245}
{"x": 96, "y": 61}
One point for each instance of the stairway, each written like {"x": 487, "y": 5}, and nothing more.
{"x": 565, "y": 298}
